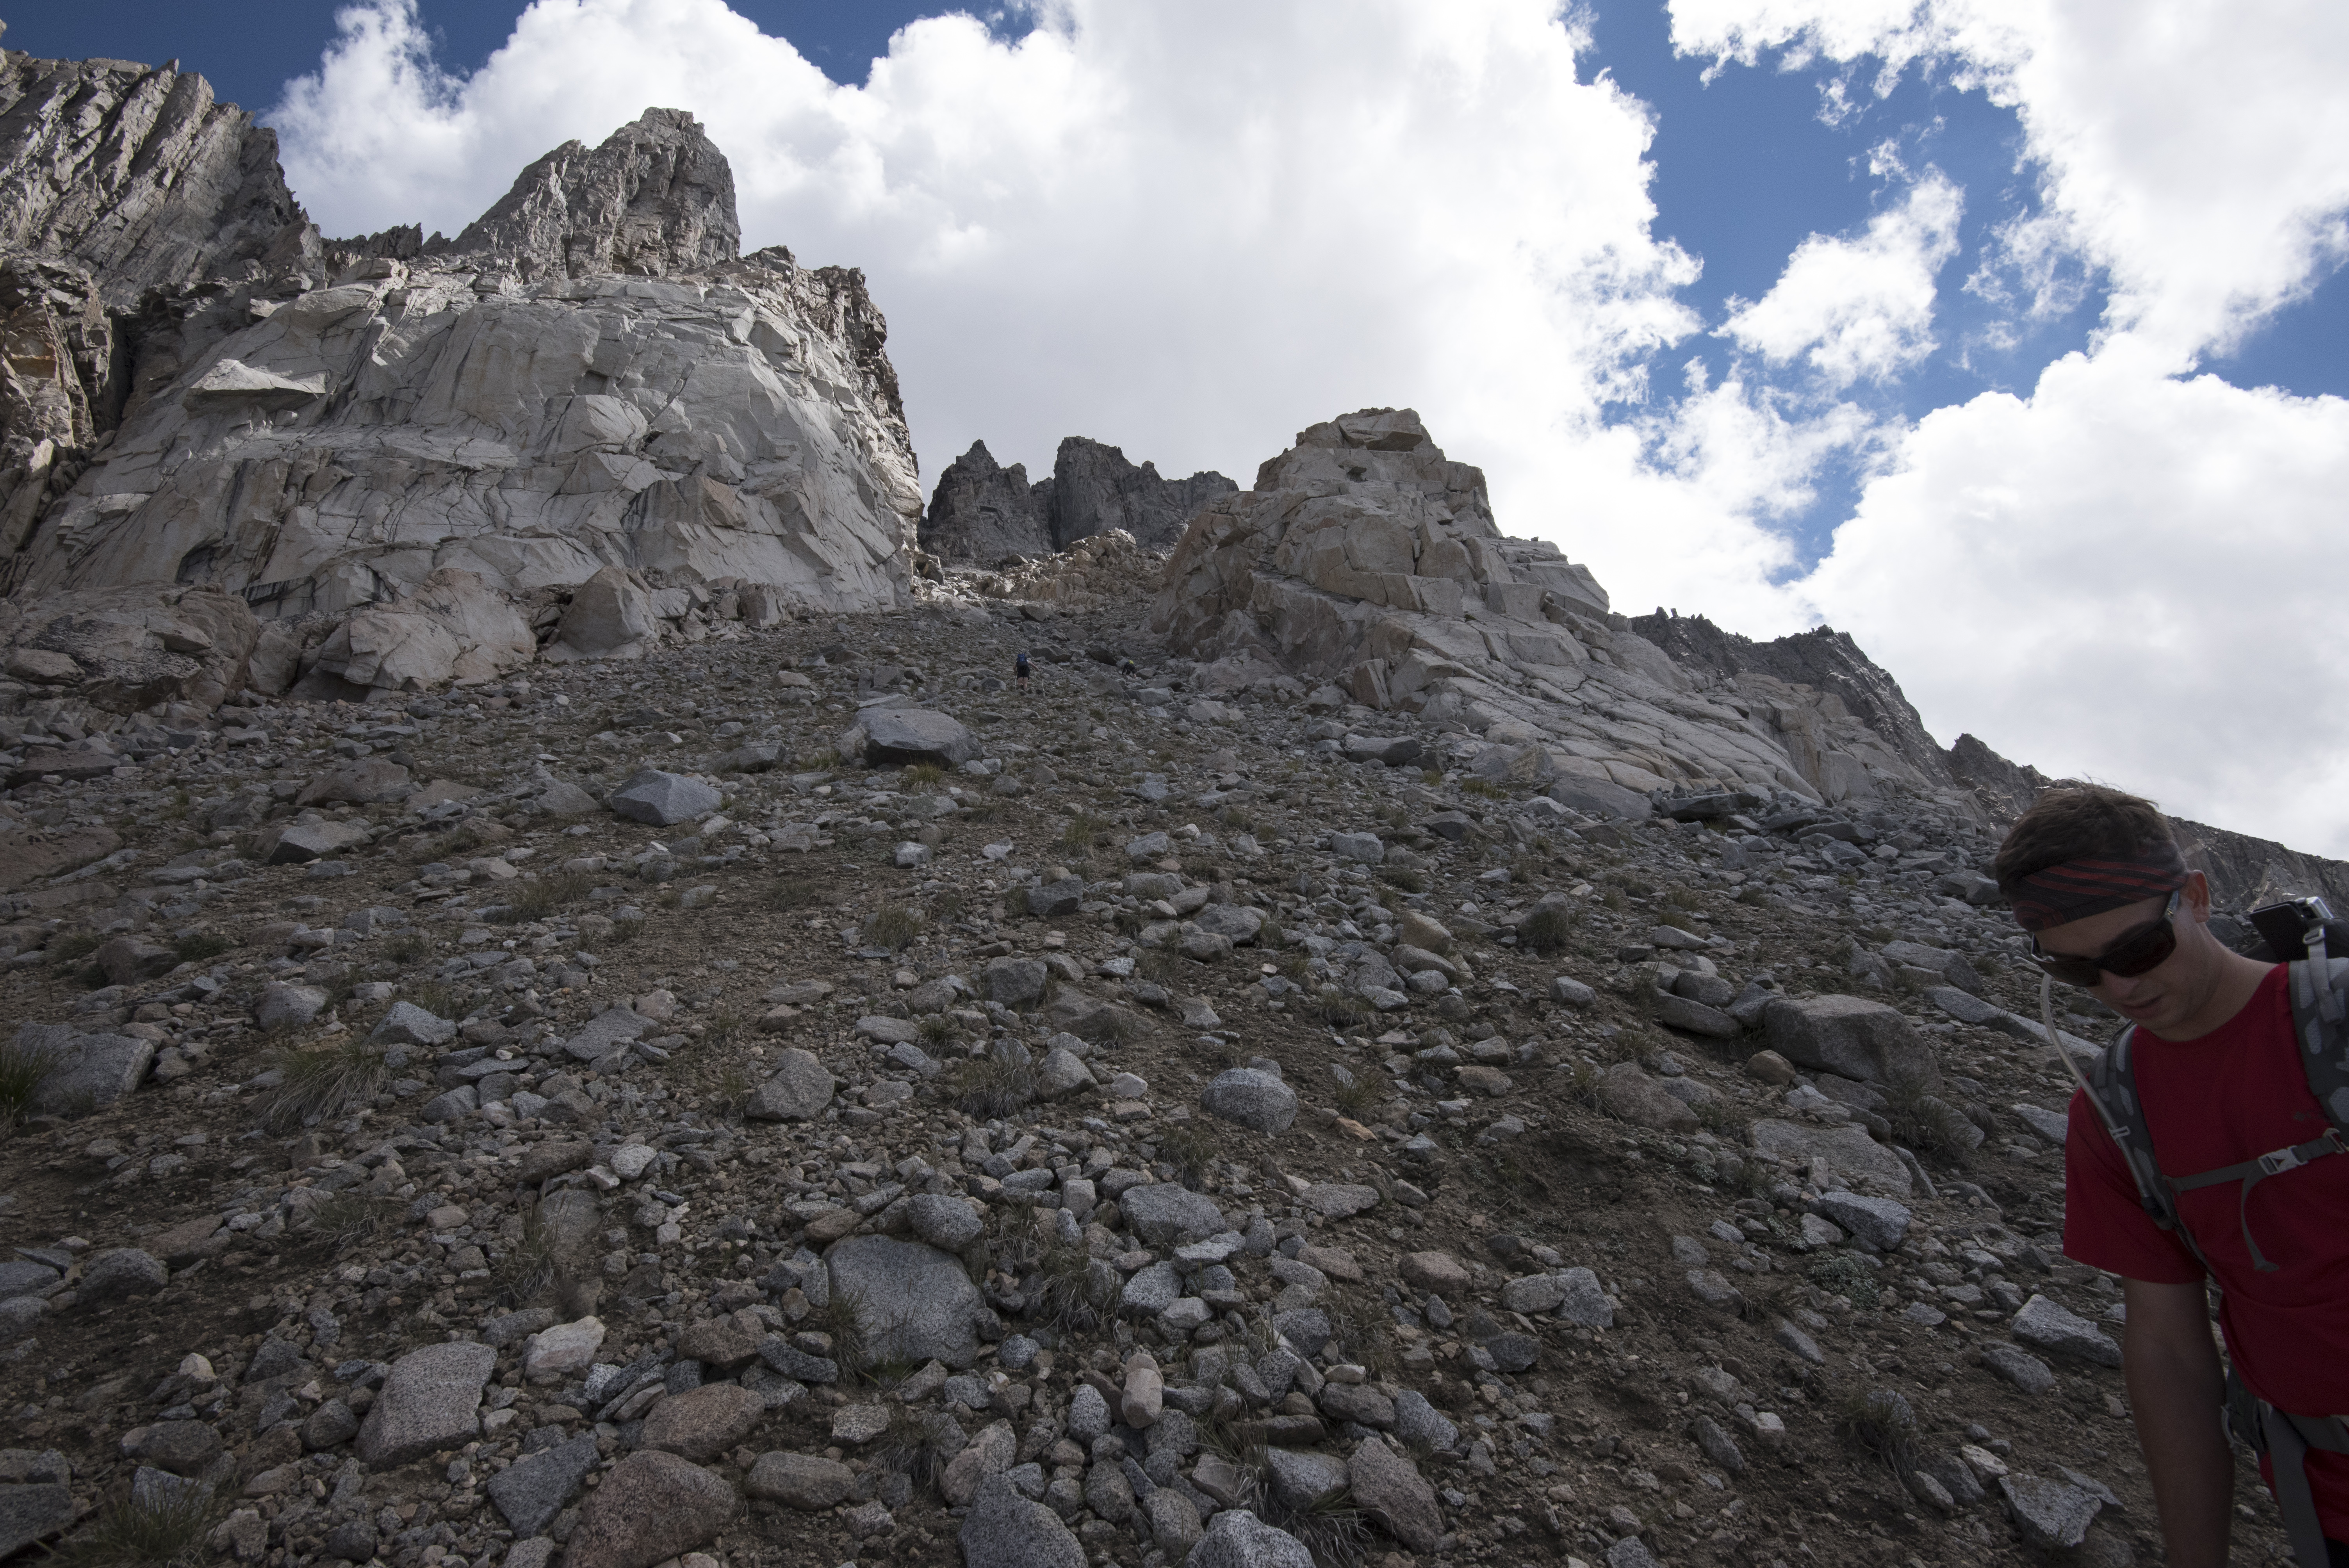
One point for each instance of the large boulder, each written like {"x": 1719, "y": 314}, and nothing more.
{"x": 1846, "y": 1148}
{"x": 610, "y": 617}
{"x": 888, "y": 738}
{"x": 82, "y": 1072}
{"x": 911, "y": 1301}
{"x": 1852, "y": 1035}
{"x": 663, "y": 798}
{"x": 128, "y": 646}
{"x": 431, "y": 1400}
{"x": 652, "y": 1506}
{"x": 453, "y": 627}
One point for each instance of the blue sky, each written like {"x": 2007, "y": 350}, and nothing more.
{"x": 2036, "y": 385}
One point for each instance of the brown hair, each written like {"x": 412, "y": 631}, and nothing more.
{"x": 2074, "y": 820}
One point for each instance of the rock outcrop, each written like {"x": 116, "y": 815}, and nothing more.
{"x": 413, "y": 474}
{"x": 134, "y": 176}
{"x": 1365, "y": 558}
{"x": 986, "y": 515}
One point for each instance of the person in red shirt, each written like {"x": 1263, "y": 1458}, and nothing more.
{"x": 2095, "y": 876}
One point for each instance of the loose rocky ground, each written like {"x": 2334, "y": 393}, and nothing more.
{"x": 1155, "y": 1119}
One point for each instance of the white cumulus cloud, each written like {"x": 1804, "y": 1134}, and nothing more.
{"x": 1862, "y": 308}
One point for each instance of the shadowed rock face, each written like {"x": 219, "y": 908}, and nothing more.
{"x": 984, "y": 514}
{"x": 135, "y": 174}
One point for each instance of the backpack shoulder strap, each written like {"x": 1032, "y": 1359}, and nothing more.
{"x": 2320, "y": 1023}
{"x": 2112, "y": 1086}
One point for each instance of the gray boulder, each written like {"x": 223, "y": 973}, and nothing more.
{"x": 2050, "y": 1327}
{"x": 1238, "y": 1539}
{"x": 1626, "y": 1090}
{"x": 912, "y": 1302}
{"x": 120, "y": 1274}
{"x": 798, "y": 1089}
{"x": 1251, "y": 1097}
{"x": 1391, "y": 1491}
{"x": 904, "y": 736}
{"x": 1851, "y": 1035}
{"x": 408, "y": 1025}
{"x": 1013, "y": 982}
{"x": 1847, "y": 1148}
{"x": 944, "y": 1221}
{"x": 82, "y": 1071}
{"x": 662, "y": 799}
{"x": 1879, "y": 1221}
{"x": 1005, "y": 1529}
{"x": 531, "y": 1492}
{"x": 652, "y": 1506}
{"x": 2053, "y": 1515}
{"x": 431, "y": 1400}
{"x": 285, "y": 1005}
{"x": 1166, "y": 1214}
{"x": 809, "y": 1483}
{"x": 2018, "y": 1367}
{"x": 305, "y": 841}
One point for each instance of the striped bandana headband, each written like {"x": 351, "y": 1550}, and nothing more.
{"x": 2076, "y": 890}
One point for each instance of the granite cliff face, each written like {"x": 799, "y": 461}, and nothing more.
{"x": 983, "y": 514}
{"x": 583, "y": 424}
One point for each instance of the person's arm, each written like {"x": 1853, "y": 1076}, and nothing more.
{"x": 2175, "y": 1389}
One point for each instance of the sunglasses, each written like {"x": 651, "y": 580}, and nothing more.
{"x": 2146, "y": 948}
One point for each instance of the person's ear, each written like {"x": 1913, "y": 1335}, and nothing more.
{"x": 2197, "y": 901}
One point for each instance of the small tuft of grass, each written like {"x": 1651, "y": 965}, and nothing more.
{"x": 842, "y": 1319}
{"x": 797, "y": 893}
{"x": 1086, "y": 831}
{"x": 164, "y": 1533}
{"x": 1341, "y": 1010}
{"x": 525, "y": 1270}
{"x": 71, "y": 947}
{"x": 992, "y": 1085}
{"x": 1923, "y": 1119}
{"x": 1545, "y": 932}
{"x": 924, "y": 776}
{"x": 408, "y": 946}
{"x": 1191, "y": 1150}
{"x": 537, "y": 899}
{"x": 325, "y": 1080}
{"x": 1484, "y": 788}
{"x": 892, "y": 928}
{"x": 626, "y": 930}
{"x": 1358, "y": 1095}
{"x": 22, "y": 1068}
{"x": 1881, "y": 1422}
{"x": 721, "y": 1025}
{"x": 1403, "y": 877}
{"x": 1237, "y": 820}
{"x": 201, "y": 945}
{"x": 349, "y": 1219}
{"x": 936, "y": 1029}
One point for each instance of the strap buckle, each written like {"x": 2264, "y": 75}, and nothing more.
{"x": 2277, "y": 1162}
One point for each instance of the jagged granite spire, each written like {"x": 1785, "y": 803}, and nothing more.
{"x": 655, "y": 198}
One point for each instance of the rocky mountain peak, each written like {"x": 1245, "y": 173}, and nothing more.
{"x": 654, "y": 198}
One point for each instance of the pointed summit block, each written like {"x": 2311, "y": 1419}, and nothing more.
{"x": 657, "y": 198}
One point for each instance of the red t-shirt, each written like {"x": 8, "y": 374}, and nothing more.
{"x": 2233, "y": 1095}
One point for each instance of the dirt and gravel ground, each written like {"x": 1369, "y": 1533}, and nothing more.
{"x": 1369, "y": 1322}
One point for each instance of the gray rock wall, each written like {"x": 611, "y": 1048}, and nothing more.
{"x": 1367, "y": 557}
{"x": 414, "y": 467}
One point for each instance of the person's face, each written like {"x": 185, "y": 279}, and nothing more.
{"x": 2164, "y": 996}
